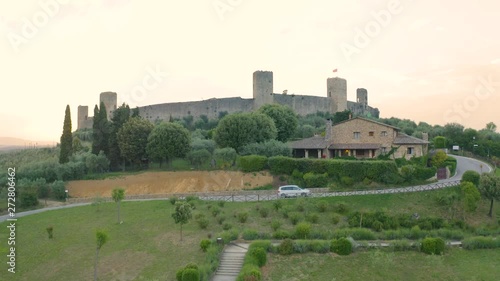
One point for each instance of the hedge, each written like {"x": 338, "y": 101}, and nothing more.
{"x": 252, "y": 163}
{"x": 433, "y": 246}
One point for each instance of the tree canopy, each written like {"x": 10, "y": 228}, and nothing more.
{"x": 66, "y": 138}
{"x": 168, "y": 140}
{"x": 133, "y": 138}
{"x": 284, "y": 119}
{"x": 489, "y": 187}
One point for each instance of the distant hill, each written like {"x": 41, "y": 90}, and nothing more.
{"x": 9, "y": 143}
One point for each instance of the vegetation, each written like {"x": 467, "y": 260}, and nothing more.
{"x": 489, "y": 187}
{"x": 66, "y": 138}
{"x": 182, "y": 213}
{"x": 118, "y": 194}
{"x": 284, "y": 119}
{"x": 168, "y": 140}
{"x": 132, "y": 139}
{"x": 101, "y": 129}
{"x": 101, "y": 239}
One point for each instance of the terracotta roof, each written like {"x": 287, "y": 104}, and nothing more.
{"x": 369, "y": 120}
{"x": 406, "y": 139}
{"x": 355, "y": 146}
{"x": 310, "y": 143}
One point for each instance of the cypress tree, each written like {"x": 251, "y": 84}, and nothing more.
{"x": 95, "y": 132}
{"x": 100, "y": 129}
{"x": 66, "y": 138}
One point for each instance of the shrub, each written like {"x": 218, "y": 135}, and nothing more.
{"x": 264, "y": 212}
{"x": 242, "y": 217}
{"x": 341, "y": 208}
{"x": 341, "y": 246}
{"x": 173, "y": 199}
{"x": 215, "y": 211}
{"x": 322, "y": 206}
{"x": 221, "y": 219}
{"x": 227, "y": 226}
{"x": 50, "y": 231}
{"x": 294, "y": 217}
{"x": 335, "y": 219}
{"x": 320, "y": 246}
{"x": 275, "y": 225}
{"x": 286, "y": 247}
{"x": 302, "y": 230}
{"x": 259, "y": 254}
{"x": 433, "y": 246}
{"x": 204, "y": 244}
{"x": 250, "y": 234}
{"x": 315, "y": 180}
{"x": 190, "y": 274}
{"x": 28, "y": 198}
{"x": 198, "y": 157}
{"x": 281, "y": 234}
{"x": 268, "y": 148}
{"x": 408, "y": 172}
{"x": 225, "y": 157}
{"x": 252, "y": 163}
{"x": 312, "y": 218}
{"x": 471, "y": 176}
{"x": 347, "y": 181}
{"x": 422, "y": 173}
{"x": 277, "y": 205}
{"x": 250, "y": 272}
{"x": 203, "y": 222}
{"x": 221, "y": 203}
{"x": 281, "y": 165}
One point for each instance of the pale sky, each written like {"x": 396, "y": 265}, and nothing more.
{"x": 432, "y": 61}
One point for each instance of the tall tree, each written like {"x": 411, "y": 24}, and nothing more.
{"x": 118, "y": 194}
{"x": 168, "y": 140}
{"x": 101, "y": 130}
{"x": 101, "y": 239}
{"x": 489, "y": 187}
{"x": 182, "y": 213}
{"x": 120, "y": 116}
{"x": 284, "y": 119}
{"x": 66, "y": 138}
{"x": 133, "y": 139}
{"x": 491, "y": 127}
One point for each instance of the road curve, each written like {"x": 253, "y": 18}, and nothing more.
{"x": 463, "y": 164}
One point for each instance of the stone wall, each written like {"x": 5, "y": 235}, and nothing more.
{"x": 304, "y": 105}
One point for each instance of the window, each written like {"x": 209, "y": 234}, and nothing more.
{"x": 371, "y": 134}
{"x": 383, "y": 133}
{"x": 383, "y": 150}
{"x": 410, "y": 151}
{"x": 357, "y": 135}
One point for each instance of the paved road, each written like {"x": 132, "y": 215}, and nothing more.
{"x": 463, "y": 164}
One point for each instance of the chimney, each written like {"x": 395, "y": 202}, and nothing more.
{"x": 425, "y": 136}
{"x": 328, "y": 129}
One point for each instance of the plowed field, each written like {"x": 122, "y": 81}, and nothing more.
{"x": 169, "y": 182}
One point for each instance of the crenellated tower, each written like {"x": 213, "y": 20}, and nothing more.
{"x": 262, "y": 88}
{"x": 337, "y": 91}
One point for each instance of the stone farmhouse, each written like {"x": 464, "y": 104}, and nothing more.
{"x": 334, "y": 100}
{"x": 361, "y": 138}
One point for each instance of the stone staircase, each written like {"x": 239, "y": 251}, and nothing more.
{"x": 231, "y": 262}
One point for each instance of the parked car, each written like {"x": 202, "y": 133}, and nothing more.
{"x": 292, "y": 191}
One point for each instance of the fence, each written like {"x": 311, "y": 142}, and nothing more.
{"x": 267, "y": 195}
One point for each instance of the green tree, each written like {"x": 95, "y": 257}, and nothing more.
{"x": 66, "y": 138}
{"x": 168, "y": 140}
{"x": 284, "y": 119}
{"x": 182, "y": 213}
{"x": 238, "y": 129}
{"x": 470, "y": 196}
{"x": 118, "y": 194}
{"x": 439, "y": 142}
{"x": 198, "y": 157}
{"x": 225, "y": 157}
{"x": 471, "y": 176}
{"x": 341, "y": 116}
{"x": 491, "y": 127}
{"x": 133, "y": 139}
{"x": 100, "y": 130}
{"x": 101, "y": 239}
{"x": 489, "y": 187}
{"x": 120, "y": 116}
{"x": 77, "y": 144}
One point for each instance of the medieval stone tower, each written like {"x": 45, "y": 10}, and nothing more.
{"x": 110, "y": 100}
{"x": 337, "y": 91}
{"x": 262, "y": 88}
{"x": 83, "y": 116}
{"x": 362, "y": 97}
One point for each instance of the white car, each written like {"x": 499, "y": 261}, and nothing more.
{"x": 292, "y": 191}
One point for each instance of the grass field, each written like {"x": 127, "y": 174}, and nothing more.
{"x": 456, "y": 264}
{"x": 497, "y": 171}
{"x": 147, "y": 247}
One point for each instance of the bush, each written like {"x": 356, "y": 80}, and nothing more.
{"x": 204, "y": 244}
{"x": 422, "y": 173}
{"x": 277, "y": 205}
{"x": 320, "y": 246}
{"x": 250, "y": 234}
{"x": 341, "y": 208}
{"x": 315, "y": 180}
{"x": 302, "y": 230}
{"x": 268, "y": 148}
{"x": 203, "y": 222}
{"x": 347, "y": 181}
{"x": 225, "y": 157}
{"x": 252, "y": 163}
{"x": 250, "y": 272}
{"x": 259, "y": 254}
{"x": 221, "y": 219}
{"x": 227, "y": 226}
{"x": 190, "y": 274}
{"x": 433, "y": 246}
{"x": 215, "y": 211}
{"x": 281, "y": 165}
{"x": 59, "y": 190}
{"x": 341, "y": 246}
{"x": 471, "y": 176}
{"x": 294, "y": 217}
{"x": 173, "y": 199}
{"x": 312, "y": 218}
{"x": 264, "y": 212}
{"x": 281, "y": 234}
{"x": 275, "y": 225}
{"x": 242, "y": 217}
{"x": 198, "y": 157}
{"x": 50, "y": 232}
{"x": 286, "y": 247}
{"x": 322, "y": 206}
{"x": 335, "y": 219}
{"x": 221, "y": 203}
{"x": 28, "y": 198}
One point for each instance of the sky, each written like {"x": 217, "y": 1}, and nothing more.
{"x": 431, "y": 61}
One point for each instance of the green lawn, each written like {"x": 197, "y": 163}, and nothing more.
{"x": 147, "y": 247}
{"x": 497, "y": 171}
{"x": 456, "y": 264}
